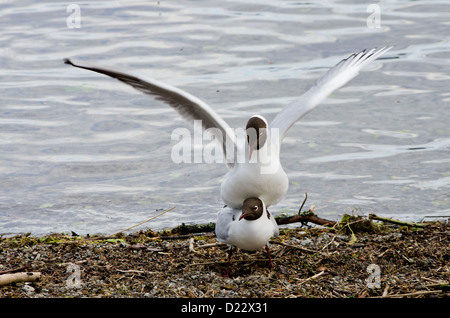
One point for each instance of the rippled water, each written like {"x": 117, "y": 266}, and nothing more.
{"x": 82, "y": 152}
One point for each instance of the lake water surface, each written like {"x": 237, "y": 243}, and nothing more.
{"x": 82, "y": 152}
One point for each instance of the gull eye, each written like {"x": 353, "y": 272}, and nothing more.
{"x": 255, "y": 208}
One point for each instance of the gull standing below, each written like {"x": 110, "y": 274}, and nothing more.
{"x": 249, "y": 229}
{"x": 260, "y": 174}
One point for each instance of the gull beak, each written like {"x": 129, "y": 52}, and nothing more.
{"x": 252, "y": 148}
{"x": 242, "y": 215}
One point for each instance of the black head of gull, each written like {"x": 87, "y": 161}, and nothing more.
{"x": 252, "y": 209}
{"x": 256, "y": 130}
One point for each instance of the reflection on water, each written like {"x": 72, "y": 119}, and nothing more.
{"x": 83, "y": 152}
{"x": 381, "y": 151}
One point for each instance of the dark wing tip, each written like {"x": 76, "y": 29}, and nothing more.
{"x": 67, "y": 61}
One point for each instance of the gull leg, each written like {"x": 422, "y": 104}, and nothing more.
{"x": 227, "y": 274}
{"x": 270, "y": 259}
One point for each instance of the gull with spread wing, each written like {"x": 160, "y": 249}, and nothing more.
{"x": 260, "y": 174}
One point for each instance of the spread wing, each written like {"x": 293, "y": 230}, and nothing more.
{"x": 188, "y": 106}
{"x": 334, "y": 79}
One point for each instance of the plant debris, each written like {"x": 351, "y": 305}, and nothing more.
{"x": 357, "y": 257}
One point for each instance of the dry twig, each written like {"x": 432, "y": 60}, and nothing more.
{"x": 152, "y": 218}
{"x": 19, "y": 277}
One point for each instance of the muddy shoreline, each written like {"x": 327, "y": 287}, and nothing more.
{"x": 383, "y": 261}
